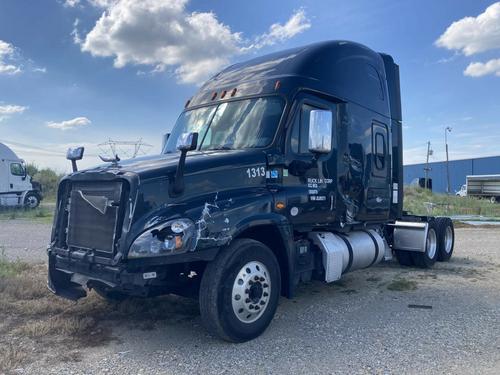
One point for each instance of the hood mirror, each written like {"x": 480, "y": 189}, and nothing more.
{"x": 164, "y": 141}
{"x": 74, "y": 154}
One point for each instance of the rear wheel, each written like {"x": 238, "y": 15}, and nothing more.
{"x": 493, "y": 200}
{"x": 404, "y": 258}
{"x": 427, "y": 258}
{"x": 446, "y": 238}
{"x": 240, "y": 290}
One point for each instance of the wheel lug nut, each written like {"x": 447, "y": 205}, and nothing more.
{"x": 262, "y": 303}
{"x": 247, "y": 300}
{"x": 237, "y": 297}
{"x": 265, "y": 285}
{"x": 262, "y": 279}
{"x": 247, "y": 291}
{"x": 265, "y": 294}
{"x": 257, "y": 308}
{"x": 251, "y": 307}
{"x": 256, "y": 278}
{"x": 250, "y": 282}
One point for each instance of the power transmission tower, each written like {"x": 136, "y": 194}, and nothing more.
{"x": 124, "y": 149}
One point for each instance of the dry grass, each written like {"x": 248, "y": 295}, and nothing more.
{"x": 38, "y": 326}
{"x": 402, "y": 285}
{"x": 422, "y": 202}
{"x": 43, "y": 214}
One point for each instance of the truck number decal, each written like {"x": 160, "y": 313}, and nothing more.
{"x": 256, "y": 172}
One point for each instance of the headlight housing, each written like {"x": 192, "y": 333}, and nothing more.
{"x": 173, "y": 237}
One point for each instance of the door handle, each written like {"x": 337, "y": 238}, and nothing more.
{"x": 11, "y": 186}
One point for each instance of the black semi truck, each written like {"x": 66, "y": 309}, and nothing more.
{"x": 282, "y": 169}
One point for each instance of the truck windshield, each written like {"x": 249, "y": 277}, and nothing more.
{"x": 249, "y": 123}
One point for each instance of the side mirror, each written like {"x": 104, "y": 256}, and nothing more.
{"x": 320, "y": 131}
{"x": 25, "y": 170}
{"x": 164, "y": 141}
{"x": 187, "y": 142}
{"x": 74, "y": 154}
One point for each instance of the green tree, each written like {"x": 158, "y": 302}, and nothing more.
{"x": 49, "y": 179}
{"x": 31, "y": 169}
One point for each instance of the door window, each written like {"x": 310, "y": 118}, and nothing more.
{"x": 379, "y": 150}
{"x": 16, "y": 169}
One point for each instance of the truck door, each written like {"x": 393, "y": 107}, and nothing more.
{"x": 17, "y": 177}
{"x": 308, "y": 179}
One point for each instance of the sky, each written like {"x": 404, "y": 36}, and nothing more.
{"x": 81, "y": 72}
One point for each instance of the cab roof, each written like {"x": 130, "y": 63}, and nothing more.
{"x": 346, "y": 70}
{"x": 6, "y": 153}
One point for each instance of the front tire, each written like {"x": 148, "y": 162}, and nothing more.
{"x": 427, "y": 258}
{"x": 32, "y": 200}
{"x": 239, "y": 291}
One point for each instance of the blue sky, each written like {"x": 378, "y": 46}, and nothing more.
{"x": 83, "y": 71}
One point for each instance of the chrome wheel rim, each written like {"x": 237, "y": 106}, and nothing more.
{"x": 431, "y": 243}
{"x": 448, "y": 239}
{"x": 251, "y": 292}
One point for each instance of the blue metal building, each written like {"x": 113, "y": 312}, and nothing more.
{"x": 459, "y": 169}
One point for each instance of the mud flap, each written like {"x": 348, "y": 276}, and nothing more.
{"x": 60, "y": 283}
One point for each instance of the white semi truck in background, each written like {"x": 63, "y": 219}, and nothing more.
{"x": 16, "y": 187}
{"x": 482, "y": 186}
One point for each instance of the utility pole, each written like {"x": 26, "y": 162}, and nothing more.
{"x": 448, "y": 187}
{"x": 427, "y": 169}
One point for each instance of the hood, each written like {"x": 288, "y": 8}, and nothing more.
{"x": 164, "y": 164}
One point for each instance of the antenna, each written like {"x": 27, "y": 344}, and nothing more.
{"x": 125, "y": 149}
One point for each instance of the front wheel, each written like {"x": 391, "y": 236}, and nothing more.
{"x": 240, "y": 290}
{"x": 32, "y": 200}
{"x": 493, "y": 200}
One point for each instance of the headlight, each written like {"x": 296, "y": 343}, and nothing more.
{"x": 173, "y": 237}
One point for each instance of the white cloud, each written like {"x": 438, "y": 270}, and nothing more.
{"x": 162, "y": 33}
{"x": 479, "y": 69}
{"x": 40, "y": 70}
{"x": 75, "y": 34}
{"x": 297, "y": 24}
{"x": 9, "y": 109}
{"x": 7, "y": 57}
{"x": 71, "y": 3}
{"x": 102, "y": 3}
{"x": 69, "y": 124}
{"x": 472, "y": 35}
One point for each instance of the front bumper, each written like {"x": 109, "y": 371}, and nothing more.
{"x": 71, "y": 277}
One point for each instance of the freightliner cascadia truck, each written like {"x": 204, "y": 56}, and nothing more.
{"x": 281, "y": 169}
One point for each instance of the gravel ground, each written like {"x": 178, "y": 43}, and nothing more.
{"x": 26, "y": 240}
{"x": 355, "y": 326}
